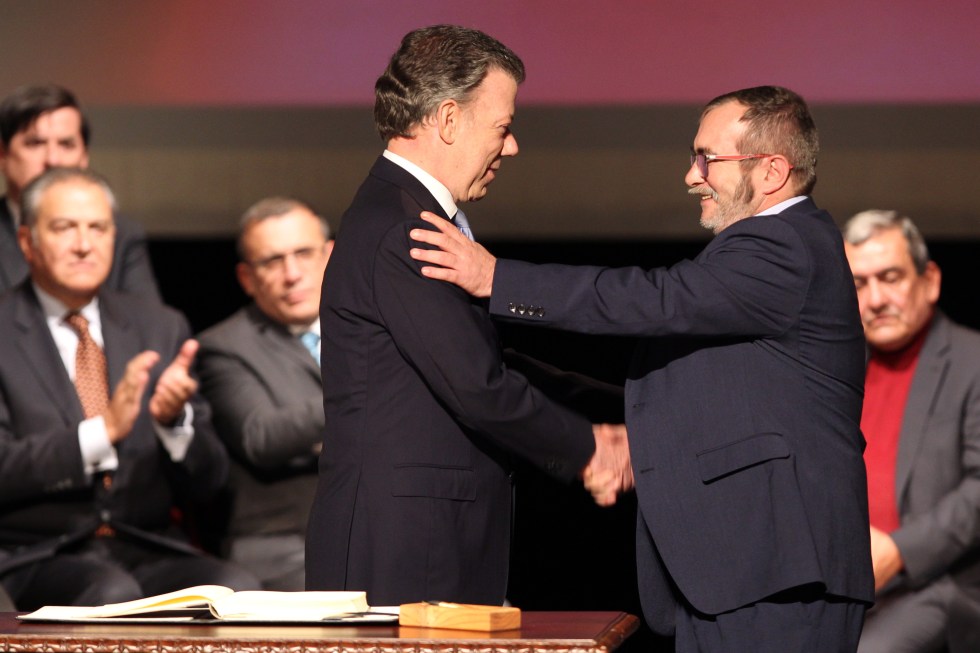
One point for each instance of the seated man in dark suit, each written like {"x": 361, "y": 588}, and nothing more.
{"x": 258, "y": 373}
{"x": 42, "y": 127}
{"x": 101, "y": 429}
{"x": 921, "y": 419}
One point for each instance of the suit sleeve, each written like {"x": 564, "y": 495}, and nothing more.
{"x": 933, "y": 541}
{"x": 746, "y": 283}
{"x": 449, "y": 339}
{"x": 254, "y": 427}
{"x": 40, "y": 463}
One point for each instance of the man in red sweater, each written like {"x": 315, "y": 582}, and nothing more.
{"x": 921, "y": 419}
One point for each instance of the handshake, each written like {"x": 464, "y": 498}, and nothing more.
{"x": 609, "y": 473}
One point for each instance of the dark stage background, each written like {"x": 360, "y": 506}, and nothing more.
{"x": 568, "y": 553}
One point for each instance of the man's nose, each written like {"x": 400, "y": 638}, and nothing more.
{"x": 510, "y": 146}
{"x": 693, "y": 176}
{"x": 83, "y": 240}
{"x": 52, "y": 156}
{"x": 875, "y": 294}
{"x": 291, "y": 268}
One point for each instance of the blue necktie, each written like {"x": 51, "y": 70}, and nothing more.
{"x": 311, "y": 341}
{"x": 463, "y": 224}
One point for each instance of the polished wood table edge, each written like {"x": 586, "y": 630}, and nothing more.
{"x": 540, "y": 632}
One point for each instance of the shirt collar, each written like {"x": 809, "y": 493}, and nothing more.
{"x": 782, "y": 206}
{"x": 433, "y": 185}
{"x": 55, "y": 310}
{"x": 298, "y": 330}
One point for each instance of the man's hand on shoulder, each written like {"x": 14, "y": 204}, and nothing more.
{"x": 460, "y": 260}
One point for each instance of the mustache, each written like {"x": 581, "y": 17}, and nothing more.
{"x": 870, "y": 316}
{"x": 703, "y": 190}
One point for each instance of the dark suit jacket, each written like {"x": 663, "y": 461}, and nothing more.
{"x": 937, "y": 478}
{"x": 44, "y": 492}
{"x": 264, "y": 389}
{"x": 743, "y": 407}
{"x": 414, "y": 498}
{"x": 130, "y": 272}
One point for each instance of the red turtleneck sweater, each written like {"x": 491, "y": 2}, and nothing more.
{"x": 886, "y": 389}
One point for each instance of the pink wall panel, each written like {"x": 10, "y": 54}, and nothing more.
{"x": 580, "y": 52}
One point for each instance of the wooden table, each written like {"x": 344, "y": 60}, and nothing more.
{"x": 564, "y": 632}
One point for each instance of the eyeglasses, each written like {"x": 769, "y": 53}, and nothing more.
{"x": 275, "y": 264}
{"x": 702, "y": 160}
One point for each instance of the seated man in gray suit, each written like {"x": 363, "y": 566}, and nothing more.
{"x": 101, "y": 429}
{"x": 921, "y": 419}
{"x": 258, "y": 373}
{"x": 43, "y": 127}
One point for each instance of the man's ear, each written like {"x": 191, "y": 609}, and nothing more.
{"x": 934, "y": 278}
{"x": 26, "y": 240}
{"x": 773, "y": 173}
{"x": 244, "y": 274}
{"x": 447, "y": 116}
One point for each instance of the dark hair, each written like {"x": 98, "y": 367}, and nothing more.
{"x": 34, "y": 192}
{"x": 779, "y": 122}
{"x": 20, "y": 109}
{"x": 435, "y": 64}
{"x": 273, "y": 207}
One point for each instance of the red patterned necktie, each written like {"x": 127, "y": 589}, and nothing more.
{"x": 91, "y": 377}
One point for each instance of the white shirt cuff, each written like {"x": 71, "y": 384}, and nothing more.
{"x": 98, "y": 454}
{"x": 177, "y": 439}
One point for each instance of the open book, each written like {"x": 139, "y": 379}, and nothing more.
{"x": 220, "y": 603}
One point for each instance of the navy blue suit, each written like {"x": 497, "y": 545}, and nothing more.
{"x": 743, "y": 406}
{"x": 423, "y": 416}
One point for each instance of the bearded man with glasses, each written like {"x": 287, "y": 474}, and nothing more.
{"x": 743, "y": 405}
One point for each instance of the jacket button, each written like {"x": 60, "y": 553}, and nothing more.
{"x": 511, "y": 307}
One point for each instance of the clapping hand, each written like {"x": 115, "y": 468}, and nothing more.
{"x": 175, "y": 386}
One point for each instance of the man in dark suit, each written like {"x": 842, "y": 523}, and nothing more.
{"x": 89, "y": 476}
{"x": 921, "y": 418}
{"x": 42, "y": 127}
{"x": 744, "y": 397}
{"x": 414, "y": 496}
{"x": 264, "y": 387}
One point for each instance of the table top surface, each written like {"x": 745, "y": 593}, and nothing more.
{"x": 540, "y": 631}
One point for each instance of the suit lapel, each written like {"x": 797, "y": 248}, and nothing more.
{"x": 121, "y": 339}
{"x": 927, "y": 387}
{"x": 282, "y": 342}
{"x": 42, "y": 355}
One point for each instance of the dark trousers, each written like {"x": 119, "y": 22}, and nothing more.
{"x": 100, "y": 571}
{"x": 796, "y": 621}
